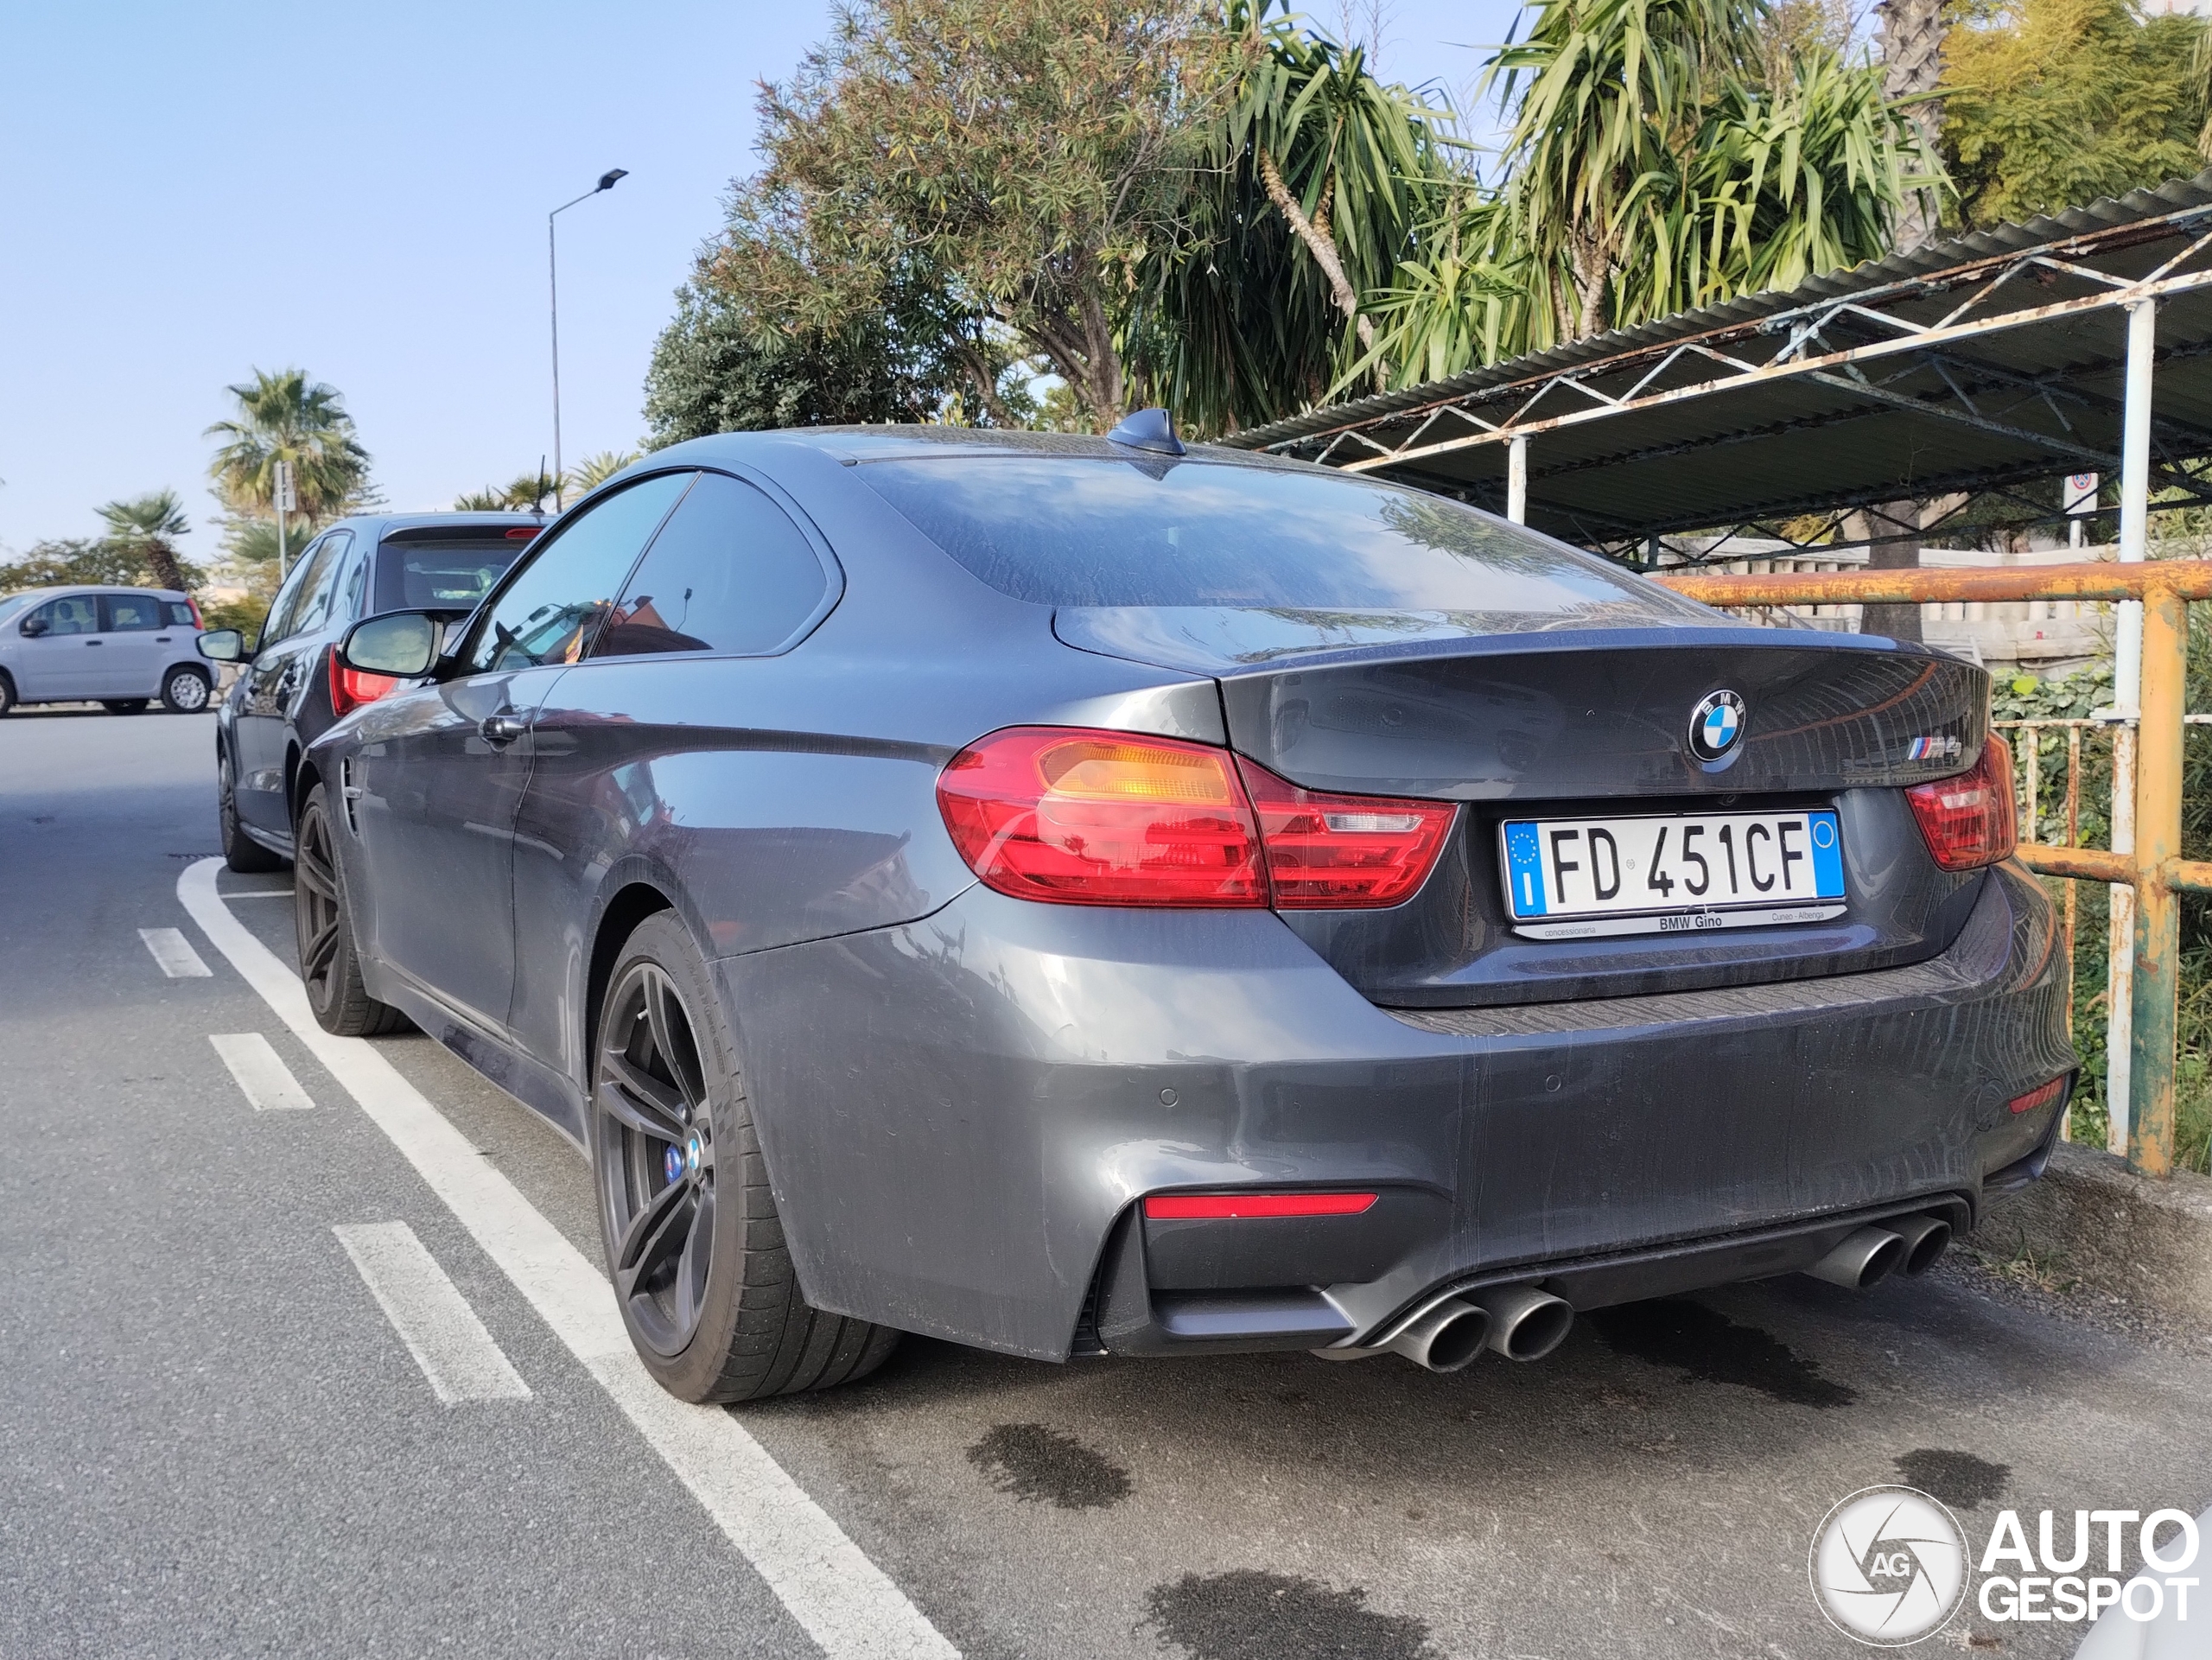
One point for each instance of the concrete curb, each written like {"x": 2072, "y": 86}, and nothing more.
{"x": 2094, "y": 1222}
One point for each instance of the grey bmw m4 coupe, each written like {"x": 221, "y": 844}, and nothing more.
{"x": 1095, "y": 896}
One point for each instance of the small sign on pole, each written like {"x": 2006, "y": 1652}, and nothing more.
{"x": 2081, "y": 501}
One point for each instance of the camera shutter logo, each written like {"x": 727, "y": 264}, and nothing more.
{"x": 1889, "y": 1566}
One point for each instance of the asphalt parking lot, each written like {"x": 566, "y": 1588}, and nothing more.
{"x": 306, "y": 1376}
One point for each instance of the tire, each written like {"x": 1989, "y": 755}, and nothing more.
{"x": 240, "y": 851}
{"x": 7, "y": 694}
{"x": 694, "y": 1243}
{"x": 330, "y": 966}
{"x": 184, "y": 691}
{"x": 124, "y": 705}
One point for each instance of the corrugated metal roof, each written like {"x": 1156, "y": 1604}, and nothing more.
{"x": 1998, "y": 406}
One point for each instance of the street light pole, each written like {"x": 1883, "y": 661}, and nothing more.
{"x": 606, "y": 181}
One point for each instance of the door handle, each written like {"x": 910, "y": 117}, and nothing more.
{"x": 502, "y": 729}
{"x": 95, "y": 642}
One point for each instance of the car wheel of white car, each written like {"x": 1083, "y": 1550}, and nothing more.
{"x": 184, "y": 691}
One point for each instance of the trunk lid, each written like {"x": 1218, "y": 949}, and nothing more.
{"x": 1567, "y": 721}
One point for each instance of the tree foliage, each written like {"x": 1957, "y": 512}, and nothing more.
{"x": 70, "y": 561}
{"x": 148, "y": 527}
{"x": 286, "y": 416}
{"x": 2050, "y": 103}
{"x": 1307, "y": 194}
{"x": 1019, "y": 158}
{"x": 1665, "y": 155}
{"x": 727, "y": 363}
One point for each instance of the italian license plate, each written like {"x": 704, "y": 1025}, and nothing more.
{"x": 1581, "y": 878}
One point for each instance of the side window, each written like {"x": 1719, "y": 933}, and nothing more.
{"x": 180, "y": 615}
{"x": 131, "y": 613}
{"x": 321, "y": 587}
{"x": 352, "y": 588}
{"x": 729, "y": 572}
{"x": 548, "y": 612}
{"x": 278, "y": 623}
{"x": 80, "y": 613}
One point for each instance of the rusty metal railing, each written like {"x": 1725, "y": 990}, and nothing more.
{"x": 2154, "y": 871}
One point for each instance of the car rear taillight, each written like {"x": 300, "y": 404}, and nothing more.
{"x": 198, "y": 621}
{"x": 350, "y": 687}
{"x": 1344, "y": 852}
{"x": 1968, "y": 820}
{"x": 1083, "y": 818}
{"x": 524, "y": 532}
{"x": 1102, "y": 818}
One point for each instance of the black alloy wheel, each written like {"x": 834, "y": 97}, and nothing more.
{"x": 184, "y": 691}
{"x": 240, "y": 851}
{"x": 7, "y": 694}
{"x": 329, "y": 965}
{"x": 694, "y": 1243}
{"x": 657, "y": 1171}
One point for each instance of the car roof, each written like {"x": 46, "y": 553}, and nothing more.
{"x": 888, "y": 441}
{"x": 384, "y": 524}
{"x": 62, "y": 589}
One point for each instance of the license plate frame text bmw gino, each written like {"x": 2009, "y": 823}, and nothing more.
{"x": 1585, "y": 878}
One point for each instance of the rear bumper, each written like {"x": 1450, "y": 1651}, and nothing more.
{"x": 959, "y": 1114}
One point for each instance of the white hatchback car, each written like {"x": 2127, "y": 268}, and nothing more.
{"x": 120, "y": 646}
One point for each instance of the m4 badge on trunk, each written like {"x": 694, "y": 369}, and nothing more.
{"x": 1716, "y": 725}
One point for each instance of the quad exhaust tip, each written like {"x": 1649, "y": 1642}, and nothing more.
{"x": 1525, "y": 1324}
{"x": 1925, "y": 1237}
{"x": 1909, "y": 1245}
{"x": 1866, "y": 1258}
{"x": 1443, "y": 1337}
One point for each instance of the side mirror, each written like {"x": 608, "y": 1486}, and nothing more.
{"x": 33, "y": 627}
{"x": 403, "y": 643}
{"x": 223, "y": 646}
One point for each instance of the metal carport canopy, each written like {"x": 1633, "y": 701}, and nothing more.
{"x": 1968, "y": 364}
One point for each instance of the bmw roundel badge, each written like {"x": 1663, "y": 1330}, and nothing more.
{"x": 1716, "y": 725}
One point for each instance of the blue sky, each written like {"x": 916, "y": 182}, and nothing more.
{"x": 193, "y": 192}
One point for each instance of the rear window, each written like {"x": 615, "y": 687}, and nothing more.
{"x": 449, "y": 574}
{"x": 1064, "y": 531}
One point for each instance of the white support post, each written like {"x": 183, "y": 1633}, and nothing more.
{"x": 1517, "y": 498}
{"x": 2134, "y": 498}
{"x": 2128, "y": 701}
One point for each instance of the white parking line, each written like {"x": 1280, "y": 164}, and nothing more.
{"x": 260, "y": 1071}
{"x": 432, "y": 1318}
{"x": 846, "y": 1603}
{"x": 175, "y": 953}
{"x": 260, "y": 894}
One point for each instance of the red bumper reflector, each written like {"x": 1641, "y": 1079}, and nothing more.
{"x": 2042, "y": 1098}
{"x": 1191, "y": 1207}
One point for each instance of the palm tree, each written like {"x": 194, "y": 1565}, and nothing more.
{"x": 525, "y": 494}
{"x": 1664, "y": 157}
{"x": 285, "y": 417}
{"x": 148, "y": 527}
{"x": 592, "y": 471}
{"x": 1315, "y": 178}
{"x": 1912, "y": 65}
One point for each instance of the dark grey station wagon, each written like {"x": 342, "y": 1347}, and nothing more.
{"x": 1077, "y": 895}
